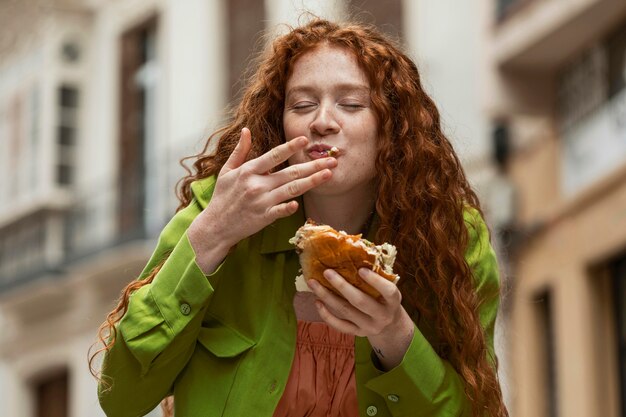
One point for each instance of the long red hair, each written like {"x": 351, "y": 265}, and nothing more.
{"x": 422, "y": 191}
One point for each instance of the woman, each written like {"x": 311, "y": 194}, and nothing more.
{"x": 215, "y": 319}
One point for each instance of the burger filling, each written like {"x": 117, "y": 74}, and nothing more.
{"x": 385, "y": 254}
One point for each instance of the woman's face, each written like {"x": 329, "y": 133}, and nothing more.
{"x": 328, "y": 100}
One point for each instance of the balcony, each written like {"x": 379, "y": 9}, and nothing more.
{"x": 27, "y": 246}
{"x": 594, "y": 147}
{"x": 53, "y": 235}
{"x": 544, "y": 34}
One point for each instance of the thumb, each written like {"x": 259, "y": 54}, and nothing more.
{"x": 240, "y": 153}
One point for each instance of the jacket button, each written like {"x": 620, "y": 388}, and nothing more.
{"x": 185, "y": 309}
{"x": 372, "y": 410}
{"x": 393, "y": 398}
{"x": 272, "y": 386}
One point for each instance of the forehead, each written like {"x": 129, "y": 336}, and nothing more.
{"x": 327, "y": 65}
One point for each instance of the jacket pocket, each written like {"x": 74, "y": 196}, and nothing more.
{"x": 204, "y": 386}
{"x": 224, "y": 341}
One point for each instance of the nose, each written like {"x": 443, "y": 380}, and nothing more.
{"x": 325, "y": 122}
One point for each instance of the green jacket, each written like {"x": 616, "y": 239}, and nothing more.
{"x": 223, "y": 344}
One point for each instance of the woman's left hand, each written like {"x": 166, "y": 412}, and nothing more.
{"x": 383, "y": 321}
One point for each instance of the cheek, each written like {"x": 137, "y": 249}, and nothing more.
{"x": 292, "y": 127}
{"x": 286, "y": 127}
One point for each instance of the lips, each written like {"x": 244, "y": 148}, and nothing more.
{"x": 322, "y": 150}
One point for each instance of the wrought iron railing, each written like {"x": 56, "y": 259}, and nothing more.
{"x": 51, "y": 236}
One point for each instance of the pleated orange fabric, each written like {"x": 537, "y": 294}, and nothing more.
{"x": 322, "y": 380}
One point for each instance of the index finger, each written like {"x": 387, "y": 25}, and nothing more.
{"x": 278, "y": 155}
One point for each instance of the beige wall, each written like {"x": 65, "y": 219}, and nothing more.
{"x": 567, "y": 254}
{"x": 567, "y": 242}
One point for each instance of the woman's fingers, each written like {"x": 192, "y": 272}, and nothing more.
{"x": 352, "y": 294}
{"x": 387, "y": 289}
{"x": 340, "y": 307}
{"x": 282, "y": 210}
{"x": 339, "y": 324}
{"x": 240, "y": 153}
{"x": 298, "y": 171}
{"x": 277, "y": 155}
{"x": 296, "y": 188}
{"x": 370, "y": 316}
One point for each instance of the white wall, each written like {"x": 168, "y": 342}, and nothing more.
{"x": 195, "y": 90}
{"x": 291, "y": 12}
{"x": 444, "y": 36}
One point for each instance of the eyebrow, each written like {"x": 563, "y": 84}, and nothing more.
{"x": 344, "y": 87}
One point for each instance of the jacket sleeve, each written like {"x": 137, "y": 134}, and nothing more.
{"x": 157, "y": 334}
{"x": 423, "y": 384}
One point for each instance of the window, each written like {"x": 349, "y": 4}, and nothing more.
{"x": 583, "y": 87}
{"x": 506, "y": 8}
{"x": 245, "y": 23}
{"x": 545, "y": 335}
{"x": 619, "y": 277}
{"x": 137, "y": 124}
{"x": 617, "y": 62}
{"x": 67, "y": 126}
{"x": 52, "y": 395}
{"x": 598, "y": 75}
{"x": 386, "y": 15}
{"x": 592, "y": 113}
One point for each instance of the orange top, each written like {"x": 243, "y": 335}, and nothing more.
{"x": 322, "y": 380}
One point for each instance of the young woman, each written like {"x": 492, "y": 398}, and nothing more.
{"x": 215, "y": 320}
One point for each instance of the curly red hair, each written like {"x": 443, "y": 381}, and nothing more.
{"x": 422, "y": 190}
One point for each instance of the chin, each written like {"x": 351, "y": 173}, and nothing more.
{"x": 338, "y": 186}
{"x": 326, "y": 189}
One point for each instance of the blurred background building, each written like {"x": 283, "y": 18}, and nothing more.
{"x": 99, "y": 100}
{"x": 557, "y": 99}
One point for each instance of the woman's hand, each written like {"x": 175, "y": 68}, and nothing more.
{"x": 247, "y": 197}
{"x": 383, "y": 321}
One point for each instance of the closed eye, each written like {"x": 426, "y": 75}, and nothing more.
{"x": 352, "y": 106}
{"x": 303, "y": 105}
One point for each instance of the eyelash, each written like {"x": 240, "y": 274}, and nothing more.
{"x": 350, "y": 106}
{"x": 301, "y": 106}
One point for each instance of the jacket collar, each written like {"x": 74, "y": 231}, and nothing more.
{"x": 202, "y": 190}
{"x": 275, "y": 237}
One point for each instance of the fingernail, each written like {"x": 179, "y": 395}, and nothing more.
{"x": 362, "y": 272}
{"x": 331, "y": 162}
{"x": 312, "y": 284}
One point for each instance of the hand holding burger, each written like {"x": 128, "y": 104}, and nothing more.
{"x": 379, "y": 317}
{"x": 321, "y": 247}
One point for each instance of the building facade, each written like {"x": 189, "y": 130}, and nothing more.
{"x": 99, "y": 100}
{"x": 557, "y": 101}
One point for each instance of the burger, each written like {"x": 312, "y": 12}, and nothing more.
{"x": 321, "y": 247}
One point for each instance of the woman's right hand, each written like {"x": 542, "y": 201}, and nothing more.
{"x": 247, "y": 197}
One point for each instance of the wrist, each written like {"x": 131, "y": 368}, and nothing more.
{"x": 403, "y": 325}
{"x": 392, "y": 343}
{"x": 209, "y": 245}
